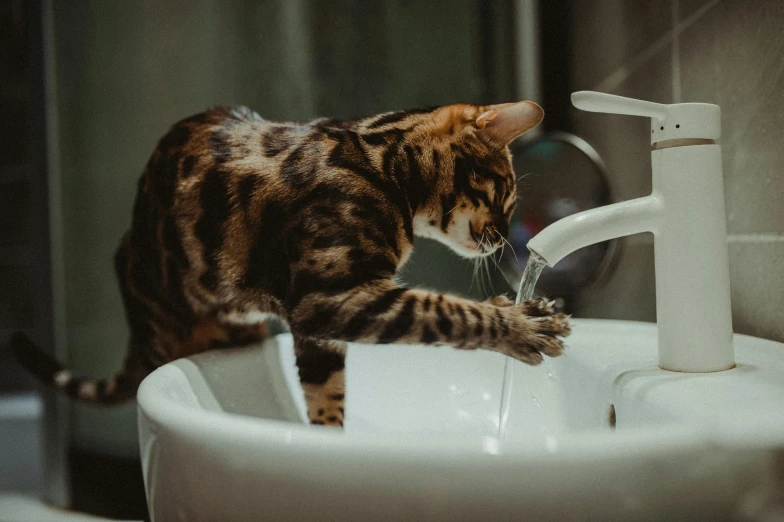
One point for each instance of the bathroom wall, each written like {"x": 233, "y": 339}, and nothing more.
{"x": 728, "y": 52}
{"x": 25, "y": 293}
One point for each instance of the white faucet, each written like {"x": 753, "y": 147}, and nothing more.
{"x": 685, "y": 212}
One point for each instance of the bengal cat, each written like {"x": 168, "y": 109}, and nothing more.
{"x": 237, "y": 217}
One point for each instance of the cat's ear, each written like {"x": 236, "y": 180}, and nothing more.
{"x": 504, "y": 122}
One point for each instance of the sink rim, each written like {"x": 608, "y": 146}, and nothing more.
{"x": 160, "y": 408}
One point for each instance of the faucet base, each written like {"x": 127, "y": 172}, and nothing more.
{"x": 701, "y": 370}
{"x": 692, "y": 266}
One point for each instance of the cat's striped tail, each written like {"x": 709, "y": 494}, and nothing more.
{"x": 112, "y": 390}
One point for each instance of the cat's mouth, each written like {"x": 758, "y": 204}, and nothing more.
{"x": 482, "y": 243}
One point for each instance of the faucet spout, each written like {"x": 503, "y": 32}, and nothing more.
{"x": 593, "y": 226}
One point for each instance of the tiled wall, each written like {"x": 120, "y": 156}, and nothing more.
{"x": 728, "y": 52}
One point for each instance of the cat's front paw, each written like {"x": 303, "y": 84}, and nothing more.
{"x": 537, "y": 331}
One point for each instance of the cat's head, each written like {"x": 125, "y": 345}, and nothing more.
{"x": 475, "y": 192}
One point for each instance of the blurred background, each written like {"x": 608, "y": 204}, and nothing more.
{"x": 88, "y": 87}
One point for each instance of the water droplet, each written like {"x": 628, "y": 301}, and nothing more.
{"x": 491, "y": 445}
{"x": 550, "y": 376}
{"x": 536, "y": 400}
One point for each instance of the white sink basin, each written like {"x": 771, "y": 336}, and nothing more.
{"x": 428, "y": 435}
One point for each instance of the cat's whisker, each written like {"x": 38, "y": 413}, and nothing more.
{"x": 495, "y": 263}
{"x": 476, "y": 277}
{"x": 483, "y": 286}
{"x": 498, "y": 260}
{"x": 473, "y": 274}
{"x": 489, "y": 276}
{"x": 485, "y": 282}
{"x": 453, "y": 209}
{"x": 506, "y": 242}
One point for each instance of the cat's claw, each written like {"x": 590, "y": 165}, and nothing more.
{"x": 556, "y": 324}
{"x": 538, "y": 307}
{"x": 535, "y": 307}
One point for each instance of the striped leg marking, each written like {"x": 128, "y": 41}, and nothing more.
{"x": 322, "y": 375}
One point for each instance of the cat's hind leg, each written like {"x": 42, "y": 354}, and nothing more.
{"x": 321, "y": 367}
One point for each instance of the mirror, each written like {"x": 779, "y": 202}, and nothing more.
{"x": 559, "y": 174}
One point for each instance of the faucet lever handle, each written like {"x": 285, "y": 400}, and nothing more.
{"x": 601, "y": 102}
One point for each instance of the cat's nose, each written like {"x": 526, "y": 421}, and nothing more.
{"x": 497, "y": 230}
